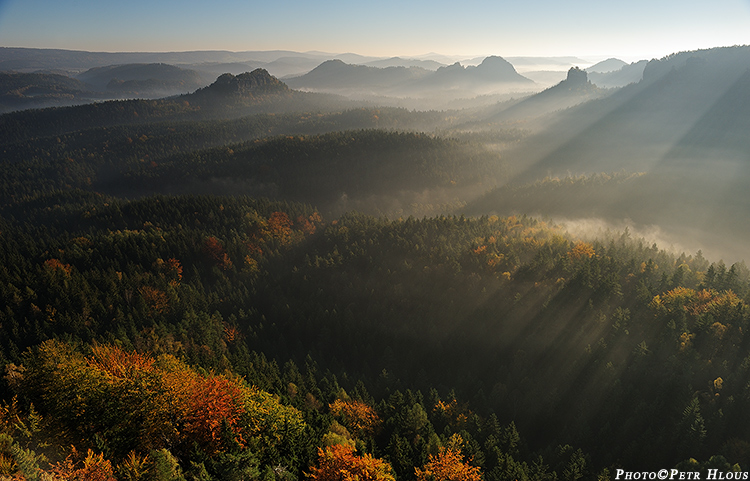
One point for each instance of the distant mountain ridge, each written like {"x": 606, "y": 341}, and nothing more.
{"x": 76, "y": 61}
{"x": 335, "y": 74}
{"x": 405, "y": 62}
{"x": 338, "y": 74}
{"x": 157, "y": 79}
{"x": 493, "y": 69}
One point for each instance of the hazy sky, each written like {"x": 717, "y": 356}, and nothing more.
{"x": 633, "y": 28}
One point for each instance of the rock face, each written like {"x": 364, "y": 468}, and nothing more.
{"x": 577, "y": 78}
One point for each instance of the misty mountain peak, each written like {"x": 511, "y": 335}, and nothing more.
{"x": 496, "y": 68}
{"x": 331, "y": 63}
{"x": 496, "y": 65}
{"x": 609, "y": 65}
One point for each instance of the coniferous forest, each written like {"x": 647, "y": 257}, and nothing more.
{"x": 253, "y": 282}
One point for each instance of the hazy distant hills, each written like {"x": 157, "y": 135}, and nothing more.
{"x": 492, "y": 70}
{"x": 30, "y": 58}
{"x": 556, "y": 63}
{"x": 156, "y": 79}
{"x": 74, "y": 61}
{"x": 335, "y": 74}
{"x": 715, "y": 150}
{"x": 411, "y": 82}
{"x": 25, "y": 90}
{"x": 405, "y": 62}
{"x": 31, "y": 90}
{"x": 608, "y": 73}
{"x": 26, "y": 59}
{"x": 492, "y": 74}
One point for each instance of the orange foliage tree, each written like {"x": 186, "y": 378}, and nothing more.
{"x": 448, "y": 465}
{"x": 91, "y": 468}
{"x": 171, "y": 269}
{"x": 280, "y": 227}
{"x": 340, "y": 463}
{"x": 357, "y": 416}
{"x": 155, "y": 299}
{"x": 213, "y": 401}
{"x": 55, "y": 265}
{"x": 308, "y": 225}
{"x": 215, "y": 251}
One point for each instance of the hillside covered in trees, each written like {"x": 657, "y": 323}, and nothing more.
{"x": 241, "y": 284}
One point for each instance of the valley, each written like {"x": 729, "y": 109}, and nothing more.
{"x": 260, "y": 259}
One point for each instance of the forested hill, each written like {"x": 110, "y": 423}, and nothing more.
{"x": 367, "y": 170}
{"x": 228, "y": 97}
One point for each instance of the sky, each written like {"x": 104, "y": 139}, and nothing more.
{"x": 630, "y": 30}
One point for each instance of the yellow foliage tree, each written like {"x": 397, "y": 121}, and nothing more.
{"x": 581, "y": 250}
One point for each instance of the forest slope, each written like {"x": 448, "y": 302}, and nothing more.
{"x": 613, "y": 346}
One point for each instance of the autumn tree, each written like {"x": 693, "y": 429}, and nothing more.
{"x": 357, "y": 416}
{"x": 448, "y": 465}
{"x": 213, "y": 402}
{"x": 280, "y": 227}
{"x": 582, "y": 250}
{"x": 215, "y": 251}
{"x": 339, "y": 462}
{"x": 76, "y": 467}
